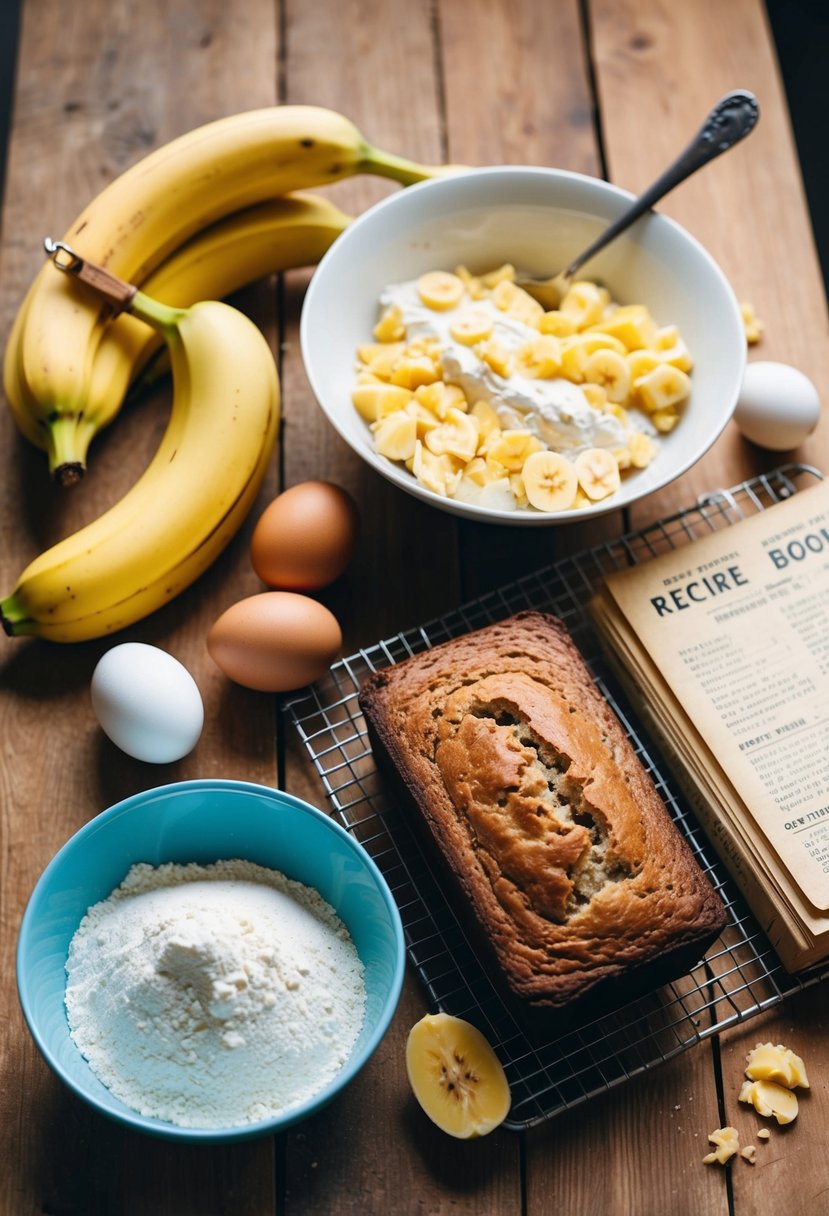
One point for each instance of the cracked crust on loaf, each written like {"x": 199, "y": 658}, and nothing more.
{"x": 561, "y": 848}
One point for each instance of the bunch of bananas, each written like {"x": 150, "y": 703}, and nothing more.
{"x": 192, "y": 222}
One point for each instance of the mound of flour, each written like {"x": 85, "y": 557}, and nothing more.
{"x": 213, "y": 996}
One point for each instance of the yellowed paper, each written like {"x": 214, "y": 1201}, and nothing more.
{"x": 738, "y": 625}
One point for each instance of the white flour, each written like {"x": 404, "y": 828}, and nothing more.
{"x": 213, "y": 996}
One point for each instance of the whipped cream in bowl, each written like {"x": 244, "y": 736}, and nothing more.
{"x": 549, "y": 409}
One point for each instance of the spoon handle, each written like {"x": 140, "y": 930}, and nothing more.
{"x": 730, "y": 121}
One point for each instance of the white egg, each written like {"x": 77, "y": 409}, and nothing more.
{"x": 778, "y": 407}
{"x": 147, "y": 702}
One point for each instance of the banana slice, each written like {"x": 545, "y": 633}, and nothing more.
{"x": 512, "y": 448}
{"x": 768, "y": 1098}
{"x": 597, "y": 471}
{"x": 374, "y": 401}
{"x": 456, "y": 1076}
{"x": 496, "y": 356}
{"x": 440, "y": 290}
{"x": 557, "y": 324}
{"x": 550, "y": 481}
{"x": 471, "y": 326}
{"x": 395, "y": 436}
{"x": 457, "y": 436}
{"x": 412, "y": 370}
{"x": 609, "y": 369}
{"x": 540, "y": 358}
{"x": 512, "y": 299}
{"x": 390, "y": 327}
{"x": 584, "y": 304}
{"x": 664, "y": 387}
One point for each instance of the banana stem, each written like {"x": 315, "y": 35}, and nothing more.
{"x": 406, "y": 172}
{"x": 13, "y": 616}
{"x": 68, "y": 437}
{"x": 162, "y": 317}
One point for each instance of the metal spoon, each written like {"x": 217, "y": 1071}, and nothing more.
{"x": 730, "y": 121}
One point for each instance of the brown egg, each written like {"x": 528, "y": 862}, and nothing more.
{"x": 275, "y": 641}
{"x": 306, "y": 537}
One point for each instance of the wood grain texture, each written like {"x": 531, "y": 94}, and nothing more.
{"x": 536, "y": 108}
{"x": 374, "y": 61}
{"x": 790, "y": 1170}
{"x": 747, "y": 208}
{"x": 99, "y": 86}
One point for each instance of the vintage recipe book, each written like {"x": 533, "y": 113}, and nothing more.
{"x": 723, "y": 648}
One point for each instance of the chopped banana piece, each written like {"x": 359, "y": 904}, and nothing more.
{"x": 488, "y": 420}
{"x": 540, "y": 358}
{"x": 764, "y": 1134}
{"x": 751, "y": 323}
{"x": 727, "y": 1142}
{"x": 770, "y": 1062}
{"x": 595, "y": 395}
{"x": 379, "y": 357}
{"x": 425, "y": 420}
{"x": 663, "y": 387}
{"x": 665, "y": 420}
{"x": 374, "y": 401}
{"x": 550, "y": 481}
{"x": 440, "y": 398}
{"x": 511, "y": 298}
{"x": 641, "y": 450}
{"x": 436, "y": 473}
{"x": 440, "y": 290}
{"x": 471, "y": 326}
{"x": 640, "y": 362}
{"x": 598, "y": 473}
{"x": 496, "y": 356}
{"x": 503, "y": 274}
{"x": 395, "y": 436}
{"x": 412, "y": 370}
{"x": 632, "y": 324}
{"x": 512, "y": 448}
{"x": 583, "y": 303}
{"x": 768, "y": 1098}
{"x": 610, "y": 371}
{"x": 749, "y": 1153}
{"x": 457, "y": 436}
{"x": 472, "y": 283}
{"x": 558, "y": 324}
{"x": 390, "y": 327}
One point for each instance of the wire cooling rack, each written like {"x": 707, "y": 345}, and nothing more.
{"x": 740, "y": 975}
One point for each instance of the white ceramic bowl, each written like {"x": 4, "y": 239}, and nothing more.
{"x": 537, "y": 219}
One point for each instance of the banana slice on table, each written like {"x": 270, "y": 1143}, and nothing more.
{"x": 456, "y": 1076}
{"x": 598, "y": 474}
{"x": 550, "y": 481}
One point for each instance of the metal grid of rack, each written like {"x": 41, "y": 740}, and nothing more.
{"x": 740, "y": 975}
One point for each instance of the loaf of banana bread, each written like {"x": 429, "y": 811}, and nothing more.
{"x": 564, "y": 855}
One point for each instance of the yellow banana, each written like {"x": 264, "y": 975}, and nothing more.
{"x": 189, "y": 502}
{"x": 268, "y": 237}
{"x": 152, "y": 209}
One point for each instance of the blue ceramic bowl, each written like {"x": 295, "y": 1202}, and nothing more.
{"x": 204, "y": 821}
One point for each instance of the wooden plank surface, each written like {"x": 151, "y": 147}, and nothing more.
{"x": 583, "y": 86}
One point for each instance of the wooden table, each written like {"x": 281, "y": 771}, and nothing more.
{"x": 610, "y": 87}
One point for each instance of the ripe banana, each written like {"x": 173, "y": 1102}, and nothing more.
{"x": 268, "y": 237}
{"x": 150, "y": 210}
{"x": 191, "y": 499}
